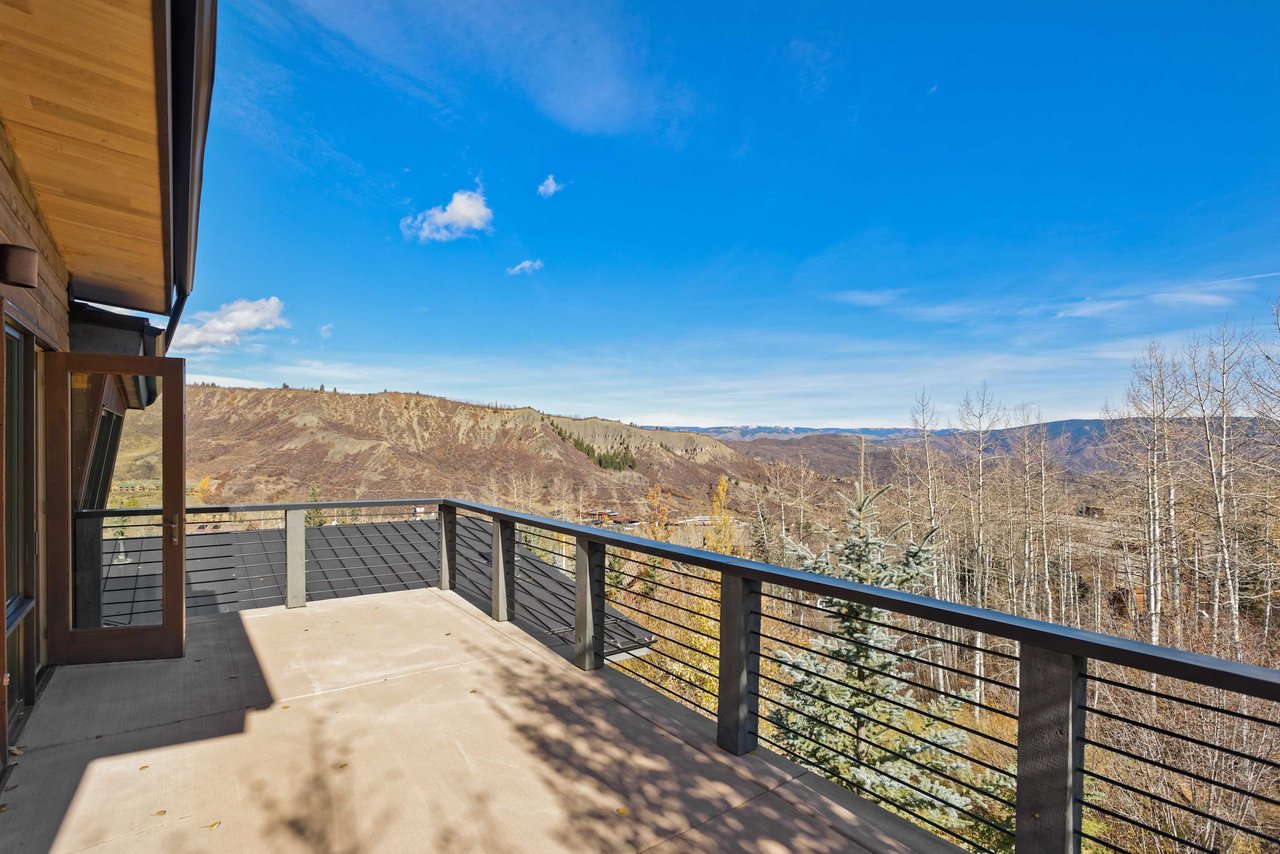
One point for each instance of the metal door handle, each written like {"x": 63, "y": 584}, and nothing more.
{"x": 173, "y": 528}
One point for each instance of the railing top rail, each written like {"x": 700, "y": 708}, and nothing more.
{"x": 1249, "y": 679}
{"x": 213, "y": 509}
{"x": 1207, "y": 670}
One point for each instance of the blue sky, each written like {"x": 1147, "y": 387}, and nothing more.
{"x": 770, "y": 213}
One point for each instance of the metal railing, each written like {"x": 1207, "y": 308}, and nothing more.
{"x": 236, "y": 557}
{"x": 994, "y": 731}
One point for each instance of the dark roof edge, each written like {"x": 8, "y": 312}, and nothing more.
{"x": 80, "y": 312}
{"x": 193, "y": 26}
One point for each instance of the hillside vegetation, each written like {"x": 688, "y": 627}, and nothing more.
{"x": 261, "y": 445}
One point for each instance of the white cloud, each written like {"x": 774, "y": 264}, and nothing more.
{"x": 228, "y": 326}
{"x": 815, "y": 66}
{"x": 793, "y": 379}
{"x": 525, "y": 268}
{"x": 326, "y": 331}
{"x": 1094, "y": 308}
{"x": 585, "y": 65}
{"x": 870, "y": 299}
{"x": 549, "y": 187}
{"x": 1191, "y": 298}
{"x": 466, "y": 212}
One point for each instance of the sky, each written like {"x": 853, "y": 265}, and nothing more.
{"x": 751, "y": 213}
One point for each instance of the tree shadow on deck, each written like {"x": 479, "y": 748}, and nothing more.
{"x": 622, "y": 781}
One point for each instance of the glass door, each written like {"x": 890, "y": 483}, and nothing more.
{"x": 18, "y": 501}
{"x": 115, "y": 507}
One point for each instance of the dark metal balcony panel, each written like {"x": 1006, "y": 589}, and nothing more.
{"x": 234, "y": 570}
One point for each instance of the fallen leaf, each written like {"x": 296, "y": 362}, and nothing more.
{"x": 283, "y": 707}
{"x": 213, "y": 826}
{"x": 159, "y": 812}
{"x": 143, "y": 767}
{"x": 15, "y": 751}
{"x": 622, "y": 810}
{"x": 343, "y": 765}
{"x": 4, "y": 807}
{"x": 473, "y": 691}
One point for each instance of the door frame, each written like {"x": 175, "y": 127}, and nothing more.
{"x": 26, "y": 615}
{"x": 68, "y": 645}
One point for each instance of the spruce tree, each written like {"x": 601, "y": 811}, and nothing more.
{"x": 851, "y": 715}
{"x": 314, "y": 517}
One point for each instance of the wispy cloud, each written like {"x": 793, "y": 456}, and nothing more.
{"x": 1094, "y": 308}
{"x": 1236, "y": 280}
{"x": 466, "y": 213}
{"x": 525, "y": 268}
{"x": 229, "y": 326}
{"x": 815, "y": 66}
{"x": 1192, "y": 298}
{"x": 802, "y": 382}
{"x": 582, "y": 64}
{"x": 1215, "y": 293}
{"x": 258, "y": 98}
{"x": 949, "y": 312}
{"x": 919, "y": 310}
{"x": 870, "y": 298}
{"x": 549, "y": 187}
{"x": 326, "y": 331}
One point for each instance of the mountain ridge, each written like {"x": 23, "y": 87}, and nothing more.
{"x": 267, "y": 445}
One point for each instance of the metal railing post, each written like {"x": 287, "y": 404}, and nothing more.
{"x": 503, "y": 593}
{"x": 588, "y": 609}
{"x": 87, "y": 548}
{"x": 1051, "y": 697}
{"x": 295, "y": 566}
{"x": 448, "y": 546}
{"x": 737, "y": 703}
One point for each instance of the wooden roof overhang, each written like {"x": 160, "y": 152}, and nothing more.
{"x": 106, "y": 104}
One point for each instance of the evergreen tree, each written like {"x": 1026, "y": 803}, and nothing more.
{"x": 849, "y": 715}
{"x": 314, "y": 517}
{"x": 763, "y": 541}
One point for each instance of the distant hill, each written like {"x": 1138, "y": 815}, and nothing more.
{"x": 267, "y": 445}
{"x": 749, "y": 432}
{"x": 1077, "y": 444}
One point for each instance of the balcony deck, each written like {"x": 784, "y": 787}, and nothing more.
{"x": 404, "y": 721}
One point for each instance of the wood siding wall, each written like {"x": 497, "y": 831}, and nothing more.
{"x": 43, "y": 310}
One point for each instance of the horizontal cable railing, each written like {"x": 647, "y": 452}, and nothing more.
{"x": 995, "y": 732}
{"x": 891, "y": 713}
{"x": 679, "y": 606}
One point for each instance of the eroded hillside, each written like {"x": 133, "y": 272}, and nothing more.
{"x": 273, "y": 444}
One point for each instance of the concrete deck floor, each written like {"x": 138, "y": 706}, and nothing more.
{"x": 398, "y": 722}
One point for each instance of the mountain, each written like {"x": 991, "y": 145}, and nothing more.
{"x": 269, "y": 445}
{"x": 1076, "y": 444}
{"x": 749, "y": 432}
{"x": 272, "y": 445}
